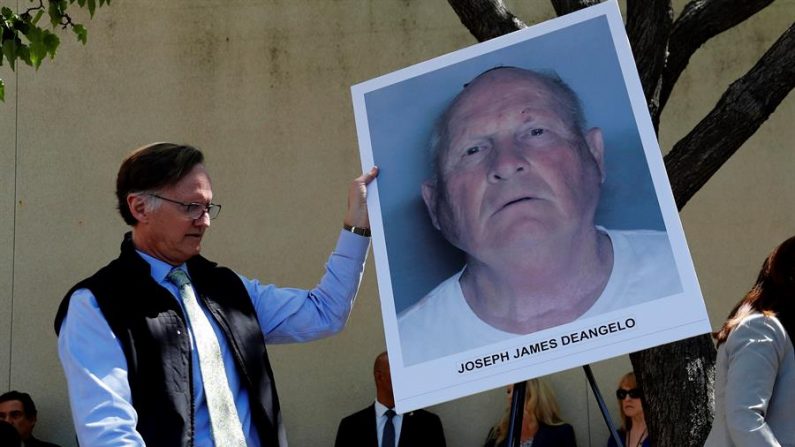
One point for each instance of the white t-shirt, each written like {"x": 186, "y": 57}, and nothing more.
{"x": 442, "y": 323}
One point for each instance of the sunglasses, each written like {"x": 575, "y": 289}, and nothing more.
{"x": 634, "y": 393}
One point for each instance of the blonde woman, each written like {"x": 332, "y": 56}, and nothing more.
{"x": 633, "y": 429}
{"x": 541, "y": 423}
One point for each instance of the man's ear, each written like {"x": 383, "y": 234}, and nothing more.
{"x": 596, "y": 146}
{"x": 137, "y": 205}
{"x": 429, "y": 196}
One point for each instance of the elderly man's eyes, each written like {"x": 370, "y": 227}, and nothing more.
{"x": 472, "y": 150}
{"x": 533, "y": 132}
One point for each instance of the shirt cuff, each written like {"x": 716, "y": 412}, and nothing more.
{"x": 352, "y": 245}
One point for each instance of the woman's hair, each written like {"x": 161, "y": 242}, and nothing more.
{"x": 539, "y": 403}
{"x": 773, "y": 293}
{"x": 627, "y": 381}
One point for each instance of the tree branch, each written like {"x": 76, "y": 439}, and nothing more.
{"x": 486, "y": 19}
{"x": 700, "y": 21}
{"x": 563, "y": 7}
{"x": 745, "y": 105}
{"x": 649, "y": 24}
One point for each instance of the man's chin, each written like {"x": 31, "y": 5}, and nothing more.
{"x": 197, "y": 249}
{"x": 193, "y": 248}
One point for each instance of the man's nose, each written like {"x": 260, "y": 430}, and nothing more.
{"x": 507, "y": 161}
{"x": 203, "y": 220}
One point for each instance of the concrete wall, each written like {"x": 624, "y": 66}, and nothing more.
{"x": 263, "y": 88}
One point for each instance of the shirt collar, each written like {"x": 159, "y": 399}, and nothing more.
{"x": 380, "y": 408}
{"x": 159, "y": 269}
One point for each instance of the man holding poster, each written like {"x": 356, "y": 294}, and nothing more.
{"x": 516, "y": 183}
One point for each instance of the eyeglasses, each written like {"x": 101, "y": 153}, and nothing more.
{"x": 195, "y": 210}
{"x": 634, "y": 393}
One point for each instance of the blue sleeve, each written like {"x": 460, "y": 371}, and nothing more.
{"x": 96, "y": 377}
{"x": 296, "y": 315}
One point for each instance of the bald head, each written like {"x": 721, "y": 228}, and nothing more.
{"x": 383, "y": 380}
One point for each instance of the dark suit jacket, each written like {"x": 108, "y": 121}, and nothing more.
{"x": 420, "y": 429}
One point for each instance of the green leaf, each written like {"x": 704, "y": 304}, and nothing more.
{"x": 10, "y": 51}
{"x": 2, "y": 91}
{"x": 22, "y": 26}
{"x": 81, "y": 3}
{"x": 92, "y": 6}
{"x": 38, "y": 17}
{"x": 55, "y": 14}
{"x": 37, "y": 49}
{"x": 81, "y": 32}
{"x": 7, "y": 13}
{"x": 51, "y": 42}
{"x": 23, "y": 54}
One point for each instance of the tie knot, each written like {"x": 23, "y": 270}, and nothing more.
{"x": 178, "y": 278}
{"x": 390, "y": 414}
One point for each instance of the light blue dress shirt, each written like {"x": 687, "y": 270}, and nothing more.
{"x": 380, "y": 422}
{"x": 96, "y": 369}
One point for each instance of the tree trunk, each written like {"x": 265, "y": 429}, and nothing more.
{"x": 678, "y": 381}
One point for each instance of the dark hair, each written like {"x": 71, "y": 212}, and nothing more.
{"x": 773, "y": 293}
{"x": 152, "y": 167}
{"x": 27, "y": 402}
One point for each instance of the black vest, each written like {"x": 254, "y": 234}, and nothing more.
{"x": 150, "y": 327}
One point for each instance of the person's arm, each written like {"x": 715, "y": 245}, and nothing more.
{"x": 96, "y": 376}
{"x": 755, "y": 348}
{"x": 294, "y": 315}
{"x": 344, "y": 434}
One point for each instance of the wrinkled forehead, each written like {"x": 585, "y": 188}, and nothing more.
{"x": 504, "y": 84}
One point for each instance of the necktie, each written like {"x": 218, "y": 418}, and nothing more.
{"x": 388, "y": 437}
{"x": 227, "y": 431}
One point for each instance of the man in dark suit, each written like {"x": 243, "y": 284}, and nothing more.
{"x": 18, "y": 410}
{"x": 379, "y": 426}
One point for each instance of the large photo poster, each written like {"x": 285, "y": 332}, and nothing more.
{"x": 522, "y": 219}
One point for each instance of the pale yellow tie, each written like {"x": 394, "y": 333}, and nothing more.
{"x": 227, "y": 431}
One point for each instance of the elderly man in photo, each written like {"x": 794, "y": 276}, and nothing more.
{"x": 163, "y": 347}
{"x": 516, "y": 184}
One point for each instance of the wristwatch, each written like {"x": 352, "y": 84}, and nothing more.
{"x": 361, "y": 231}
